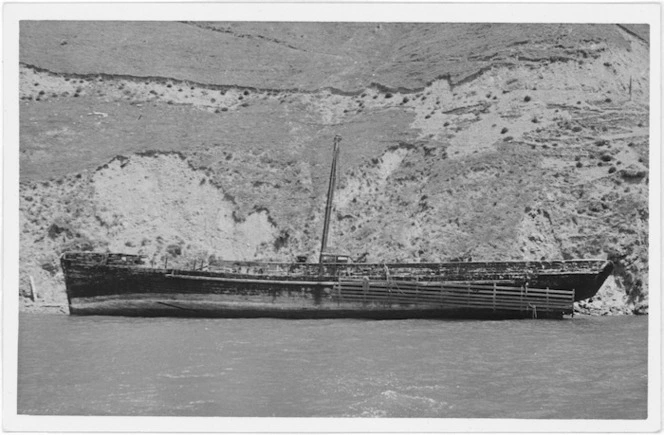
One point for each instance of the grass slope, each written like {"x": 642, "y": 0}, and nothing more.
{"x": 304, "y": 56}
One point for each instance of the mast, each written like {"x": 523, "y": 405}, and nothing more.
{"x": 330, "y": 196}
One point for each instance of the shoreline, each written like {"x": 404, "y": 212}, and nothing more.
{"x": 582, "y": 308}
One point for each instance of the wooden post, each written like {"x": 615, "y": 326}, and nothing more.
{"x": 33, "y": 289}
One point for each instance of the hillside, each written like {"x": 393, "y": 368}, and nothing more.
{"x": 464, "y": 141}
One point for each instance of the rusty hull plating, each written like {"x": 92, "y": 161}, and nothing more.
{"x": 118, "y": 284}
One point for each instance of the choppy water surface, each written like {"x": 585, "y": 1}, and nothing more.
{"x": 575, "y": 368}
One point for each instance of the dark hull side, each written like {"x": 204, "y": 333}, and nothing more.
{"x": 103, "y": 289}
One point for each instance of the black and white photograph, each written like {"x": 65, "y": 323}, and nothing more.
{"x": 365, "y": 218}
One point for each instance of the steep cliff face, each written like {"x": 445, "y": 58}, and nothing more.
{"x": 460, "y": 141}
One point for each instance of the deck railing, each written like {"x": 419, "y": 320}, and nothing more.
{"x": 456, "y": 295}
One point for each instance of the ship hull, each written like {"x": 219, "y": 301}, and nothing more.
{"x": 502, "y": 290}
{"x": 182, "y": 305}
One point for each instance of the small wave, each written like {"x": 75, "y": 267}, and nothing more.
{"x": 391, "y": 403}
{"x": 187, "y": 376}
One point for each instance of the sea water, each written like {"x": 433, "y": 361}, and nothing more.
{"x": 582, "y": 367}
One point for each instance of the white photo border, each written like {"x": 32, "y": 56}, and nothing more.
{"x": 516, "y": 12}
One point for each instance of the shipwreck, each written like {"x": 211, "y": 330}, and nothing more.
{"x": 127, "y": 285}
